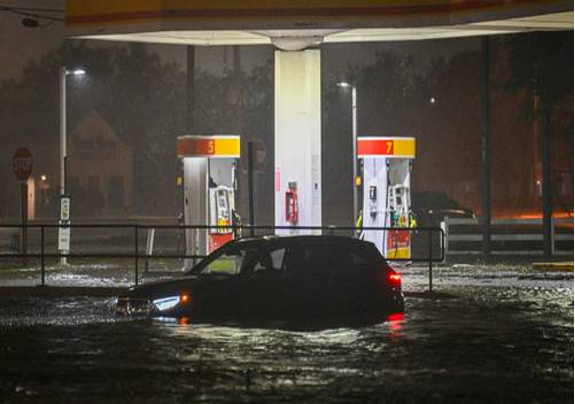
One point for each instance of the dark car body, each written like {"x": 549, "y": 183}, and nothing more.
{"x": 299, "y": 278}
{"x": 431, "y": 208}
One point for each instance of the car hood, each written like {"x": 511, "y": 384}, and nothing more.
{"x": 153, "y": 290}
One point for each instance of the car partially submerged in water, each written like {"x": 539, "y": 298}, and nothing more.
{"x": 286, "y": 279}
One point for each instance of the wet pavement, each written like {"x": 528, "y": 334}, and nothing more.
{"x": 501, "y": 333}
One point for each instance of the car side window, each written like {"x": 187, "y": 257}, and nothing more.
{"x": 278, "y": 258}
{"x": 332, "y": 259}
{"x": 272, "y": 260}
{"x": 316, "y": 258}
{"x": 230, "y": 262}
{"x": 358, "y": 260}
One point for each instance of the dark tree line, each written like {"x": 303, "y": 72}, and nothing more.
{"x": 143, "y": 99}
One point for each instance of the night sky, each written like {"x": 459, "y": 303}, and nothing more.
{"x": 20, "y": 45}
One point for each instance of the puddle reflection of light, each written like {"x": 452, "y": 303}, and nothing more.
{"x": 173, "y": 320}
{"x": 395, "y": 322}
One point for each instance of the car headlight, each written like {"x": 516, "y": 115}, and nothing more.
{"x": 166, "y": 303}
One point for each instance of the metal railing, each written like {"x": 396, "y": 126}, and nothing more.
{"x": 510, "y": 237}
{"x": 138, "y": 230}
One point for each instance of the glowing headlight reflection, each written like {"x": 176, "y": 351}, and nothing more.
{"x": 166, "y": 303}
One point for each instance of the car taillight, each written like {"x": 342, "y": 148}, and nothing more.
{"x": 393, "y": 278}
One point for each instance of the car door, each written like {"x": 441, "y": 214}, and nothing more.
{"x": 218, "y": 293}
{"x": 352, "y": 277}
{"x": 265, "y": 284}
{"x": 311, "y": 287}
{"x": 330, "y": 278}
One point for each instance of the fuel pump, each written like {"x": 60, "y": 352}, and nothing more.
{"x": 387, "y": 198}
{"x": 373, "y": 201}
{"x": 399, "y": 205}
{"x": 399, "y": 213}
{"x": 221, "y": 214}
{"x": 209, "y": 165}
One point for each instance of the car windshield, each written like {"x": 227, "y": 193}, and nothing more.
{"x": 227, "y": 261}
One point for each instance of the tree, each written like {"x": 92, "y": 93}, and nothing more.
{"x": 143, "y": 99}
{"x": 541, "y": 65}
{"x": 134, "y": 91}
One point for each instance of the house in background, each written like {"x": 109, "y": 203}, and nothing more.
{"x": 100, "y": 170}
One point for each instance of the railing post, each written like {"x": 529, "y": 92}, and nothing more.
{"x": 149, "y": 248}
{"x": 251, "y": 187}
{"x": 445, "y": 236}
{"x": 552, "y": 236}
{"x": 136, "y": 255}
{"x": 430, "y": 257}
{"x": 42, "y": 257}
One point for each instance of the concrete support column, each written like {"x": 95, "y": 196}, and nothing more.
{"x": 298, "y": 135}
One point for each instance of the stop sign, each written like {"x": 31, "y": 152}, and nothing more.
{"x": 259, "y": 155}
{"x": 22, "y": 164}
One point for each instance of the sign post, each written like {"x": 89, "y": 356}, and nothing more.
{"x": 256, "y": 162}
{"x": 64, "y": 229}
{"x": 22, "y": 168}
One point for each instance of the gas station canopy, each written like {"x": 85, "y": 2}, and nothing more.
{"x": 296, "y": 24}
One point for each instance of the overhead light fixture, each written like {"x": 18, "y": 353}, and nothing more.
{"x": 78, "y": 72}
{"x": 296, "y": 43}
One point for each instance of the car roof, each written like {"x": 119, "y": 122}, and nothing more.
{"x": 273, "y": 239}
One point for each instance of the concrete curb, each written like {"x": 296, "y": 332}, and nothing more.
{"x": 553, "y": 266}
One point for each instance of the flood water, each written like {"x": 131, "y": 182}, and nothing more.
{"x": 505, "y": 334}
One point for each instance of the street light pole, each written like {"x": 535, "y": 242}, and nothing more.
{"x": 344, "y": 84}
{"x": 354, "y": 147}
{"x": 63, "y": 149}
{"x": 63, "y": 143}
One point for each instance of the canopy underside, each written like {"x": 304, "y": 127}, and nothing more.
{"x": 301, "y": 23}
{"x": 550, "y": 22}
